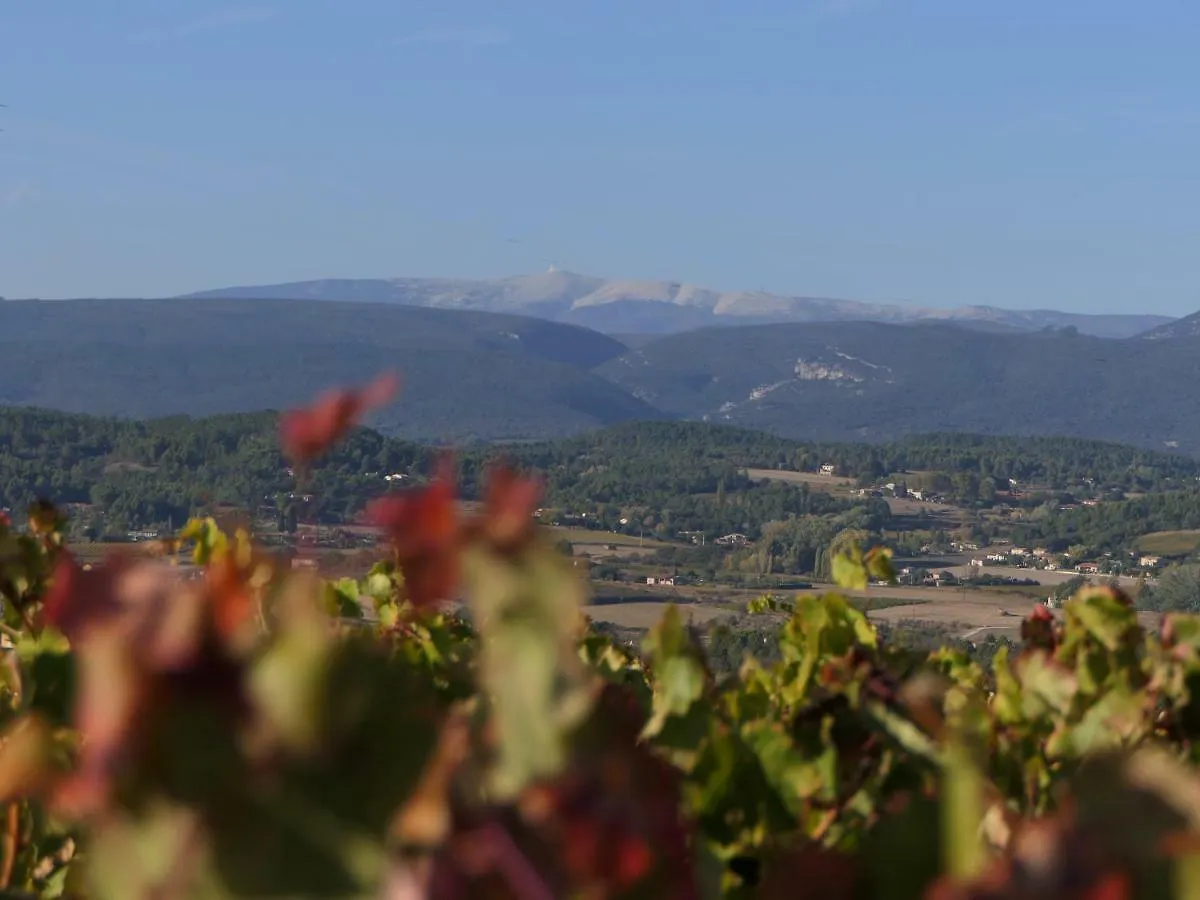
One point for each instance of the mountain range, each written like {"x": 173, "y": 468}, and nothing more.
{"x": 473, "y": 375}
{"x": 663, "y": 307}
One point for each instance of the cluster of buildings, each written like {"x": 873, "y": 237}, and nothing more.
{"x": 1043, "y": 559}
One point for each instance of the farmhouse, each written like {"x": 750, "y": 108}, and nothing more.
{"x": 1149, "y": 561}
{"x": 827, "y": 469}
{"x": 666, "y": 580}
{"x": 1087, "y": 568}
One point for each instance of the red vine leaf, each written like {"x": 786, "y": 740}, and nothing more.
{"x": 80, "y": 598}
{"x": 231, "y": 599}
{"x": 510, "y": 501}
{"x": 146, "y": 647}
{"x": 1038, "y": 630}
{"x": 309, "y": 432}
{"x": 425, "y": 531}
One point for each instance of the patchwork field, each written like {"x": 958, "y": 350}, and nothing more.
{"x": 812, "y": 479}
{"x": 1170, "y": 543}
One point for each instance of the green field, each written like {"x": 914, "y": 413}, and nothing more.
{"x": 1170, "y": 543}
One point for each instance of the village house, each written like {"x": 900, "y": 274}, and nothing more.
{"x": 1087, "y": 568}
{"x": 665, "y": 580}
{"x": 1149, "y": 561}
{"x": 827, "y": 469}
{"x": 733, "y": 540}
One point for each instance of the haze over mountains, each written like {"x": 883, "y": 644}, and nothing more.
{"x": 662, "y": 307}
{"x": 473, "y": 375}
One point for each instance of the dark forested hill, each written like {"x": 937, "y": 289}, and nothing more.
{"x": 473, "y": 375}
{"x": 467, "y": 374}
{"x": 862, "y": 381}
{"x": 143, "y": 474}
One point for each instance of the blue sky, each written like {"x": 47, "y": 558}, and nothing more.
{"x": 1022, "y": 154}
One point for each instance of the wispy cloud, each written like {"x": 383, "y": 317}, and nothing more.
{"x": 234, "y": 17}
{"x": 458, "y": 37}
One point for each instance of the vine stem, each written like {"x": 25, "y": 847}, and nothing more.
{"x": 12, "y": 825}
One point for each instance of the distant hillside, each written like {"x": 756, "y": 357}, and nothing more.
{"x": 124, "y": 474}
{"x": 467, "y": 374}
{"x": 858, "y": 381}
{"x": 473, "y": 375}
{"x": 1187, "y": 327}
{"x": 616, "y": 306}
